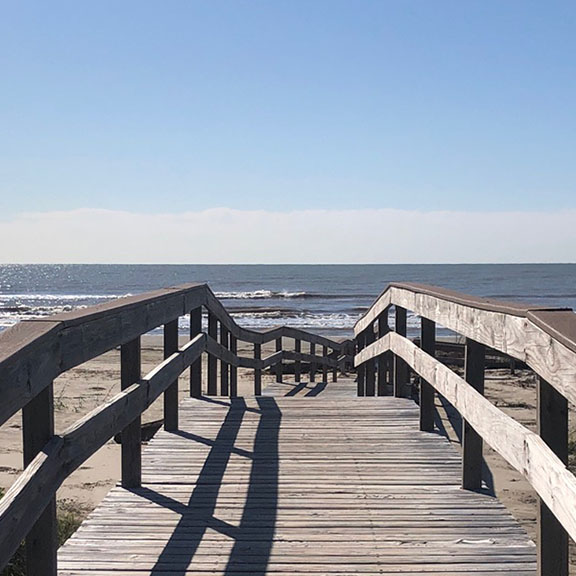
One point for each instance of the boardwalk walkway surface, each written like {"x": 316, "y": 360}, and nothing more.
{"x": 314, "y": 482}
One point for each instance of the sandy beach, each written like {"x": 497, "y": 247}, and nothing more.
{"x": 82, "y": 389}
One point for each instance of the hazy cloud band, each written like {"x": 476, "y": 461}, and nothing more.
{"x": 226, "y": 236}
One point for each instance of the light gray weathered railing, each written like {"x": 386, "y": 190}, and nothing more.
{"x": 545, "y": 339}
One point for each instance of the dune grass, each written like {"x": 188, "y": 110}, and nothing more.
{"x": 70, "y": 516}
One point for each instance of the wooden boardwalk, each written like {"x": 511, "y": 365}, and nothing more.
{"x": 316, "y": 482}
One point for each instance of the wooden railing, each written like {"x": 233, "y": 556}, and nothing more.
{"x": 544, "y": 339}
{"x": 34, "y": 353}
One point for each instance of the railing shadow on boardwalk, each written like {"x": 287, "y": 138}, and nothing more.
{"x": 258, "y": 521}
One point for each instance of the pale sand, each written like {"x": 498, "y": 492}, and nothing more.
{"x": 84, "y": 388}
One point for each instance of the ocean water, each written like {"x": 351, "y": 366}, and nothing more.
{"x": 326, "y": 299}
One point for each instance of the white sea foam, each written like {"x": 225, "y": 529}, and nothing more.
{"x": 59, "y": 297}
{"x": 259, "y": 295}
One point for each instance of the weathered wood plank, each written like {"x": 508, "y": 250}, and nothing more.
{"x": 290, "y": 486}
{"x": 212, "y": 361}
{"x": 279, "y": 365}
{"x": 553, "y": 429}
{"x": 171, "y": 393}
{"x": 224, "y": 366}
{"x": 38, "y": 429}
{"x": 297, "y": 363}
{"x": 472, "y": 441}
{"x": 428, "y": 344}
{"x": 130, "y": 366}
{"x": 400, "y": 367}
{"x": 196, "y": 367}
{"x": 543, "y": 339}
{"x": 257, "y": 371}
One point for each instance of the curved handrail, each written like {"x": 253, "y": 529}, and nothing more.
{"x": 34, "y": 352}
{"x": 543, "y": 338}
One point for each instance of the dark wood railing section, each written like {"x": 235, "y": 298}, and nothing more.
{"x": 544, "y": 339}
{"x": 34, "y": 353}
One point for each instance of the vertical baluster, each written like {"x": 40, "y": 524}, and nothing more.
{"x": 428, "y": 344}
{"x": 196, "y": 367}
{"x": 553, "y": 429}
{"x": 312, "y": 362}
{"x": 171, "y": 393}
{"x": 335, "y": 369}
{"x": 279, "y": 365}
{"x": 212, "y": 360}
{"x": 130, "y": 366}
{"x": 370, "y": 376}
{"x": 37, "y": 429}
{"x": 233, "y": 369}
{"x": 400, "y": 367}
{"x": 257, "y": 371}
{"x": 224, "y": 370}
{"x": 471, "y": 440}
{"x": 297, "y": 363}
{"x": 361, "y": 370}
{"x": 383, "y": 329}
{"x": 325, "y": 366}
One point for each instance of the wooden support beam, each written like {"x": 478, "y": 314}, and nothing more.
{"x": 224, "y": 366}
{"x": 196, "y": 367}
{"x": 383, "y": 329}
{"x": 325, "y": 366}
{"x": 257, "y": 371}
{"x": 335, "y": 374}
{"x": 297, "y": 363}
{"x": 312, "y": 363}
{"x": 279, "y": 365}
{"x": 428, "y": 345}
{"x": 553, "y": 429}
{"x": 400, "y": 367}
{"x": 171, "y": 393}
{"x": 233, "y": 369}
{"x": 37, "y": 429}
{"x": 471, "y": 441}
{"x": 361, "y": 370}
{"x": 212, "y": 360}
{"x": 370, "y": 373}
{"x": 130, "y": 372}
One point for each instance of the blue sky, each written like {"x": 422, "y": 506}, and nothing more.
{"x": 286, "y": 105}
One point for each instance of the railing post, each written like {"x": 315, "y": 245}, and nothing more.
{"x": 224, "y": 372}
{"x": 171, "y": 393}
{"x": 257, "y": 371}
{"x": 196, "y": 367}
{"x": 471, "y": 440}
{"x": 130, "y": 366}
{"x": 297, "y": 362}
{"x": 279, "y": 365}
{"x": 553, "y": 429}
{"x": 361, "y": 370}
{"x": 325, "y": 366}
{"x": 383, "y": 329}
{"x": 312, "y": 362}
{"x": 370, "y": 388}
{"x": 233, "y": 369}
{"x": 428, "y": 345}
{"x": 400, "y": 367}
{"x": 212, "y": 360}
{"x": 37, "y": 429}
{"x": 335, "y": 368}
